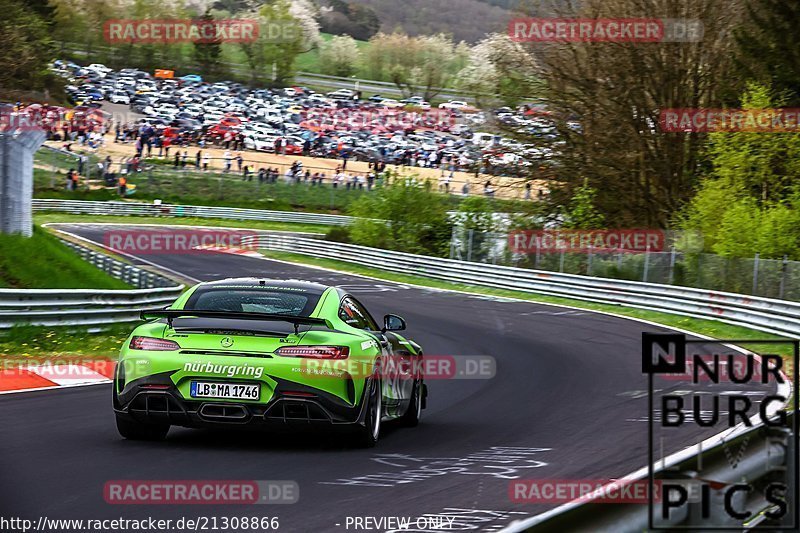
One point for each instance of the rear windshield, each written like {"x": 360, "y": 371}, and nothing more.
{"x": 293, "y": 302}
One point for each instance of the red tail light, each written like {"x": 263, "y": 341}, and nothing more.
{"x": 153, "y": 344}
{"x": 314, "y": 352}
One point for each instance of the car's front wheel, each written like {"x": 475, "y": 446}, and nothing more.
{"x": 133, "y": 430}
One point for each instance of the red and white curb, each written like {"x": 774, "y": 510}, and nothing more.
{"x": 229, "y": 250}
{"x": 54, "y": 374}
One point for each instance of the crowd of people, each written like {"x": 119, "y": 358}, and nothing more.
{"x": 156, "y": 142}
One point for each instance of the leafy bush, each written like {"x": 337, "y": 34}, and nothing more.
{"x": 338, "y": 234}
{"x": 750, "y": 201}
{"x": 402, "y": 215}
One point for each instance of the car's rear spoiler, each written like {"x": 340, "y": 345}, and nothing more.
{"x": 171, "y": 314}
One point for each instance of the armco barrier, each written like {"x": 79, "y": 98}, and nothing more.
{"x": 73, "y": 307}
{"x": 83, "y": 207}
{"x": 767, "y": 455}
{"x": 772, "y": 316}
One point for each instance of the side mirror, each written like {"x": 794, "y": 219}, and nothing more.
{"x": 393, "y": 323}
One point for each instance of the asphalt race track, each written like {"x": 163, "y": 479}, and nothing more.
{"x": 567, "y": 402}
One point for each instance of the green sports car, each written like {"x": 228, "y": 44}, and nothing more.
{"x": 260, "y": 353}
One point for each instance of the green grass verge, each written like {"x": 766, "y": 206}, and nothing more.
{"x": 37, "y": 342}
{"x": 44, "y": 262}
{"x": 44, "y": 217}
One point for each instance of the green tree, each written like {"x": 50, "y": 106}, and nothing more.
{"x": 750, "y": 200}
{"x": 425, "y": 62}
{"x": 582, "y": 212}
{"x": 69, "y": 21}
{"x": 768, "y": 48}
{"x": 476, "y": 213}
{"x": 366, "y": 22}
{"x": 25, "y": 47}
{"x": 97, "y": 13}
{"x": 287, "y": 29}
{"x": 207, "y": 55}
{"x": 766, "y": 165}
{"x": 339, "y": 56}
{"x": 402, "y": 215}
{"x": 616, "y": 91}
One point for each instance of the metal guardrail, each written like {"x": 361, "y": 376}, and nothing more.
{"x": 773, "y": 316}
{"x": 384, "y": 86}
{"x": 73, "y": 307}
{"x": 768, "y": 456}
{"x": 86, "y": 207}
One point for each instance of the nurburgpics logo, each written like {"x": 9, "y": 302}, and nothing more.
{"x": 739, "y": 397}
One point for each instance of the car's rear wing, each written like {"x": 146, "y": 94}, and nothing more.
{"x": 172, "y": 314}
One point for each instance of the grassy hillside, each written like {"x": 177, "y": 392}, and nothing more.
{"x": 44, "y": 262}
{"x": 466, "y": 20}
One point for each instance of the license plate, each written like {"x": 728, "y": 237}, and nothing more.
{"x": 227, "y": 391}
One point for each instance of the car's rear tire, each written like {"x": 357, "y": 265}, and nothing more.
{"x": 414, "y": 412}
{"x": 367, "y": 434}
{"x": 133, "y": 430}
